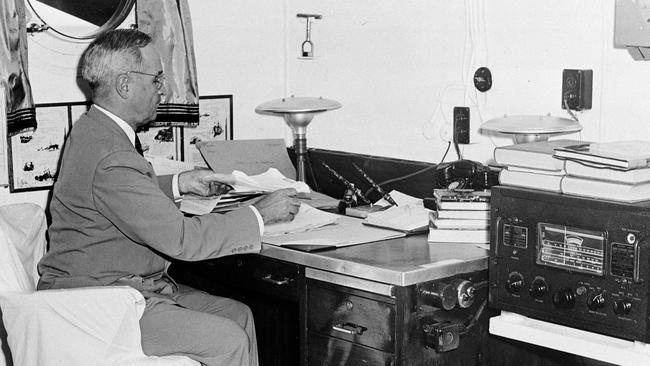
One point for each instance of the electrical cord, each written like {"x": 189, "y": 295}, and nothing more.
{"x": 566, "y": 106}
{"x": 403, "y": 177}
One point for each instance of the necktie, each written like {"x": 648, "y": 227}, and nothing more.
{"x": 138, "y": 146}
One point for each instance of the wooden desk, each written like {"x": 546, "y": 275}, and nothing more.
{"x": 360, "y": 304}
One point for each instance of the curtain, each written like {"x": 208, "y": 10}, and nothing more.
{"x": 168, "y": 23}
{"x": 21, "y": 115}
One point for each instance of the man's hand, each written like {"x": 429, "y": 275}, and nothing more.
{"x": 204, "y": 182}
{"x": 278, "y": 206}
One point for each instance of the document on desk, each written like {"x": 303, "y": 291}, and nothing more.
{"x": 249, "y": 156}
{"x": 408, "y": 216}
{"x": 344, "y": 231}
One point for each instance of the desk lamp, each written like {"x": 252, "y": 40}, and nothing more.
{"x": 530, "y": 128}
{"x": 298, "y": 113}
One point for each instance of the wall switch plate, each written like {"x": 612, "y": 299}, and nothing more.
{"x": 576, "y": 89}
{"x": 461, "y": 125}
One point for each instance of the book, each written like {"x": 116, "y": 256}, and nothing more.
{"x": 476, "y": 236}
{"x": 532, "y": 179}
{"x": 461, "y": 199}
{"x": 463, "y": 214}
{"x": 606, "y": 190}
{"x": 460, "y": 224}
{"x": 409, "y": 218}
{"x": 629, "y": 154}
{"x": 537, "y": 155}
{"x": 605, "y": 172}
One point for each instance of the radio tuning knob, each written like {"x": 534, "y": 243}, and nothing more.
{"x": 515, "y": 283}
{"x": 596, "y": 301}
{"x": 564, "y": 299}
{"x": 538, "y": 288}
{"x": 622, "y": 306}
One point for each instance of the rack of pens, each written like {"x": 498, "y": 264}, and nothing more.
{"x": 354, "y": 190}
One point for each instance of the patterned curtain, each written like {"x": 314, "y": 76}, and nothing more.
{"x": 21, "y": 115}
{"x": 168, "y": 23}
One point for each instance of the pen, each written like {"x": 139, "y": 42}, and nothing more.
{"x": 349, "y": 185}
{"x": 302, "y": 196}
{"x": 376, "y": 186}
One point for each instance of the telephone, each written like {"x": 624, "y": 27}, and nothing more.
{"x": 463, "y": 174}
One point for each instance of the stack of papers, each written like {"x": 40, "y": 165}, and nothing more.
{"x": 306, "y": 219}
{"x": 245, "y": 188}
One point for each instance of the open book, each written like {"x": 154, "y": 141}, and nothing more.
{"x": 409, "y": 216}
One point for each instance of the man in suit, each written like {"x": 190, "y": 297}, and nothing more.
{"x": 115, "y": 223}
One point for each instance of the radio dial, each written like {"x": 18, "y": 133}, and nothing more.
{"x": 564, "y": 299}
{"x": 515, "y": 283}
{"x": 596, "y": 301}
{"x": 538, "y": 288}
{"x": 622, "y": 306}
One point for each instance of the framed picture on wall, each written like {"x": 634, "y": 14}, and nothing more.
{"x": 215, "y": 124}
{"x": 159, "y": 142}
{"x": 33, "y": 156}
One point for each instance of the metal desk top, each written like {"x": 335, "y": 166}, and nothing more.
{"x": 401, "y": 262}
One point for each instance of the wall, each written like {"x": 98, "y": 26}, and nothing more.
{"x": 398, "y": 68}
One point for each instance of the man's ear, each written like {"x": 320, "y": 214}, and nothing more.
{"x": 122, "y": 86}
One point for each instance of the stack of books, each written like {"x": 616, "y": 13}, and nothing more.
{"x": 617, "y": 170}
{"x": 532, "y": 164}
{"x": 460, "y": 216}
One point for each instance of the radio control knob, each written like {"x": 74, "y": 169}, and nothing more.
{"x": 565, "y": 298}
{"x": 596, "y": 301}
{"x": 515, "y": 283}
{"x": 538, "y": 288}
{"x": 622, "y": 306}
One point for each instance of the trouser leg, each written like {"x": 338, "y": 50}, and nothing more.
{"x": 209, "y": 329}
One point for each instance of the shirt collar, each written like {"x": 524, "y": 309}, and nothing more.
{"x": 128, "y": 130}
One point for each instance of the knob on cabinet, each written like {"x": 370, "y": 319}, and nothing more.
{"x": 441, "y": 295}
{"x": 538, "y": 288}
{"x": 515, "y": 283}
{"x": 565, "y": 298}
{"x": 596, "y": 301}
{"x": 622, "y": 306}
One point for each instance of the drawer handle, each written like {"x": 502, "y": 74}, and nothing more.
{"x": 282, "y": 282}
{"x": 349, "y": 328}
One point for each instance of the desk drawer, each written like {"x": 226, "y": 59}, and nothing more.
{"x": 329, "y": 351}
{"x": 352, "y": 318}
{"x": 255, "y": 273}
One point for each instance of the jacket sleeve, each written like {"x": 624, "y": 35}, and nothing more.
{"x": 126, "y": 192}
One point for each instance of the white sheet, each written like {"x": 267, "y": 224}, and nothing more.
{"x": 85, "y": 326}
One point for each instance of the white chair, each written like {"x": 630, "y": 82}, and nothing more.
{"x": 85, "y": 326}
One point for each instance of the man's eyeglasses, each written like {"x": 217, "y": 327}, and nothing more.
{"x": 158, "y": 79}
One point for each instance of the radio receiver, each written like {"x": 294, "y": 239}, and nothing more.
{"x": 574, "y": 261}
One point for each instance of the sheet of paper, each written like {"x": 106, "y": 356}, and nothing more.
{"x": 307, "y": 218}
{"x": 249, "y": 156}
{"x": 269, "y": 181}
{"x": 346, "y": 231}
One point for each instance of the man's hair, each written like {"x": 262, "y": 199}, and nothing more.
{"x": 110, "y": 54}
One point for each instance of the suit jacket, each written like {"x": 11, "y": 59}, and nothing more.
{"x": 112, "y": 224}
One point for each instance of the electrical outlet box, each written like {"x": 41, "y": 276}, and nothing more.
{"x": 576, "y": 89}
{"x": 461, "y": 125}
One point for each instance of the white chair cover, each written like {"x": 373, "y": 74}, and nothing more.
{"x": 86, "y": 326}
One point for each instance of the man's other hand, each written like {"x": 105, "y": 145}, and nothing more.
{"x": 204, "y": 182}
{"x": 278, "y": 206}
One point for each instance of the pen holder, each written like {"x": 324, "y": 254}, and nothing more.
{"x": 349, "y": 200}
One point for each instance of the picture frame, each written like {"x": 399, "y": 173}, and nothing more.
{"x": 33, "y": 156}
{"x": 215, "y": 124}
